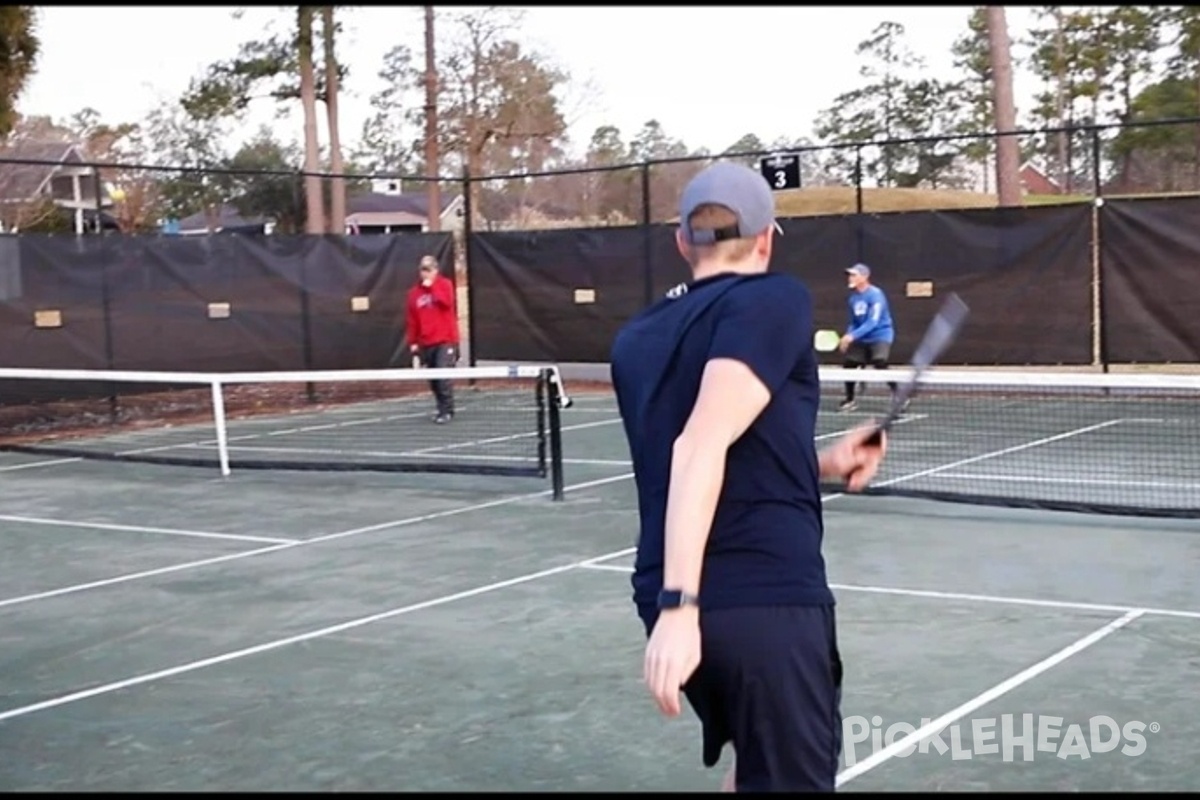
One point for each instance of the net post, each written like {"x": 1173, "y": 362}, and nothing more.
{"x": 542, "y": 398}
{"x": 218, "y": 401}
{"x": 554, "y": 393}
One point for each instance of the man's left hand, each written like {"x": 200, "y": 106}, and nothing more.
{"x": 672, "y": 655}
{"x": 844, "y": 343}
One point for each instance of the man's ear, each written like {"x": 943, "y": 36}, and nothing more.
{"x": 763, "y": 244}
{"x": 684, "y": 250}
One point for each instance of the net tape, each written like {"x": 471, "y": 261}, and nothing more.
{"x": 1086, "y": 442}
{"x": 374, "y": 419}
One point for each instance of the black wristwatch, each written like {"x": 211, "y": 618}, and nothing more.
{"x": 673, "y": 598}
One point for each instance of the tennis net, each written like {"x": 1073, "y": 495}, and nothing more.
{"x": 505, "y": 421}
{"x": 1093, "y": 443}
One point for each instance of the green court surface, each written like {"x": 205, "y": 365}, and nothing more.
{"x": 166, "y": 628}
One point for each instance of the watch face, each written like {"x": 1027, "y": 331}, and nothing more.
{"x": 669, "y": 598}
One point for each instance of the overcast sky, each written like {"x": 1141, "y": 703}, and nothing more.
{"x": 709, "y": 75}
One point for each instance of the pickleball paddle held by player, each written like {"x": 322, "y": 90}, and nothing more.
{"x": 940, "y": 334}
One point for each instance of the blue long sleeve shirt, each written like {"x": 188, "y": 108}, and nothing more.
{"x": 870, "y": 317}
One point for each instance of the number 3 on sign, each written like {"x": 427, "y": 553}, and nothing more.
{"x": 781, "y": 171}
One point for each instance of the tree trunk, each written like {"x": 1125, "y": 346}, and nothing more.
{"x": 314, "y": 202}
{"x": 337, "y": 186}
{"x": 432, "y": 159}
{"x": 1008, "y": 152}
{"x": 1060, "y": 102}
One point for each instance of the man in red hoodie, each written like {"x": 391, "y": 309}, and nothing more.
{"x": 432, "y": 330}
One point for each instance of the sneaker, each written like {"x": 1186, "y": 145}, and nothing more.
{"x": 848, "y": 405}
{"x": 442, "y": 419}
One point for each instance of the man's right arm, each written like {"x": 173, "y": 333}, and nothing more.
{"x": 757, "y": 343}
{"x": 731, "y": 397}
{"x": 851, "y": 460}
{"x": 442, "y": 291}
{"x": 411, "y": 323}
{"x": 869, "y": 323}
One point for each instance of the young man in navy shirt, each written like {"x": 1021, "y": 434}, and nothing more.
{"x": 718, "y": 391}
{"x": 869, "y": 335}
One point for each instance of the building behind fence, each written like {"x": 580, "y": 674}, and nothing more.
{"x": 1097, "y": 267}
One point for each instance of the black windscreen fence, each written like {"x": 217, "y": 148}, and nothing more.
{"x": 218, "y": 303}
{"x": 817, "y": 250}
{"x": 561, "y": 295}
{"x": 379, "y": 268}
{"x": 1026, "y": 272}
{"x": 1048, "y": 285}
{"x": 1150, "y": 263}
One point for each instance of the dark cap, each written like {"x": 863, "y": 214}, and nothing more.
{"x": 735, "y": 187}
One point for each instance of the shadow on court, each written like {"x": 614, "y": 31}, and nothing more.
{"x": 165, "y": 628}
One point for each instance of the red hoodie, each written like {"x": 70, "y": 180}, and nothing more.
{"x": 432, "y": 314}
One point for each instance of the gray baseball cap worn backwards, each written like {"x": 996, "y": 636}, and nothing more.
{"x": 740, "y": 189}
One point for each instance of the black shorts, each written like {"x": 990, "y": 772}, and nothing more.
{"x": 868, "y": 352}
{"x": 770, "y": 682}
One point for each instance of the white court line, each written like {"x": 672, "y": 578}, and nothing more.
{"x": 49, "y": 462}
{"x": 1115, "y": 480}
{"x": 210, "y": 443}
{"x": 576, "y": 427}
{"x": 127, "y": 436}
{"x": 601, "y": 462}
{"x": 129, "y": 577}
{"x": 454, "y": 445}
{"x": 1017, "y": 601}
{"x": 610, "y": 567}
{"x": 111, "y": 526}
{"x": 353, "y": 623}
{"x": 999, "y": 690}
{"x": 278, "y": 643}
{"x": 997, "y": 453}
{"x": 585, "y": 425}
{"x": 135, "y": 576}
{"x": 1068, "y": 605}
{"x": 195, "y": 665}
{"x": 325, "y": 631}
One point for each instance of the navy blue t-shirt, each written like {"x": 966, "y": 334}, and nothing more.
{"x": 764, "y": 547}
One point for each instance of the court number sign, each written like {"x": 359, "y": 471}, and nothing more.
{"x": 782, "y": 171}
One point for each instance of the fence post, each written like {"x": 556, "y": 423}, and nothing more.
{"x": 859, "y": 222}
{"x": 1100, "y": 342}
{"x": 858, "y": 188}
{"x": 306, "y": 332}
{"x": 298, "y": 201}
{"x": 468, "y": 212}
{"x": 647, "y": 251}
{"x": 105, "y": 294}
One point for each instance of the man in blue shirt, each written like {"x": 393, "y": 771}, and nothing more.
{"x": 718, "y": 391}
{"x": 869, "y": 335}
